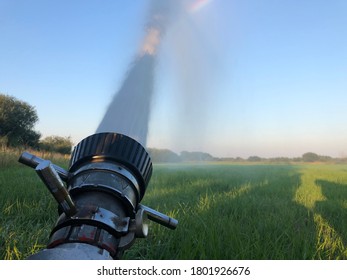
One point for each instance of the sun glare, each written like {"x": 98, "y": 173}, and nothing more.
{"x": 198, "y": 5}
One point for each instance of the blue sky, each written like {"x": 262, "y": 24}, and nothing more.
{"x": 235, "y": 78}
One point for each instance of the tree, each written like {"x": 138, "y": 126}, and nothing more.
{"x": 310, "y": 157}
{"x": 57, "y": 144}
{"x": 163, "y": 155}
{"x": 254, "y": 158}
{"x": 196, "y": 156}
{"x": 17, "y": 120}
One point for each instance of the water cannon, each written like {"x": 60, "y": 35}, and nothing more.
{"x": 100, "y": 214}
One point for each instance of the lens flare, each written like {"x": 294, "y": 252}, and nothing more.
{"x": 198, "y": 5}
{"x": 151, "y": 42}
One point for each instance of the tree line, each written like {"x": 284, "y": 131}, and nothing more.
{"x": 164, "y": 155}
{"x": 18, "y": 119}
{"x": 17, "y": 122}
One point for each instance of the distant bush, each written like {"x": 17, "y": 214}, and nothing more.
{"x": 17, "y": 120}
{"x": 196, "y": 156}
{"x": 254, "y": 158}
{"x": 310, "y": 157}
{"x": 3, "y": 142}
{"x": 56, "y": 144}
{"x": 163, "y": 155}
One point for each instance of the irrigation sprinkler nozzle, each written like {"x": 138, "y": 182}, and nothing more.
{"x": 100, "y": 214}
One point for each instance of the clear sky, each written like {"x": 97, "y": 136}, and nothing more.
{"x": 233, "y": 77}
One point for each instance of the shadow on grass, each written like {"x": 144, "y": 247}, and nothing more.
{"x": 265, "y": 222}
{"x": 229, "y": 212}
{"x": 334, "y": 208}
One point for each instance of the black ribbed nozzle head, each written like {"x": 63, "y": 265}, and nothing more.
{"x": 117, "y": 148}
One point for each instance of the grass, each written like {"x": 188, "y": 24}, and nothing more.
{"x": 27, "y": 210}
{"x": 225, "y": 211}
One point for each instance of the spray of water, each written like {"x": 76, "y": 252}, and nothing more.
{"x": 129, "y": 111}
{"x": 189, "y": 54}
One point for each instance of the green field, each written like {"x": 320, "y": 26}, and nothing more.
{"x": 225, "y": 211}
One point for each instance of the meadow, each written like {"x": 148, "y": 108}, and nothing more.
{"x": 225, "y": 211}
